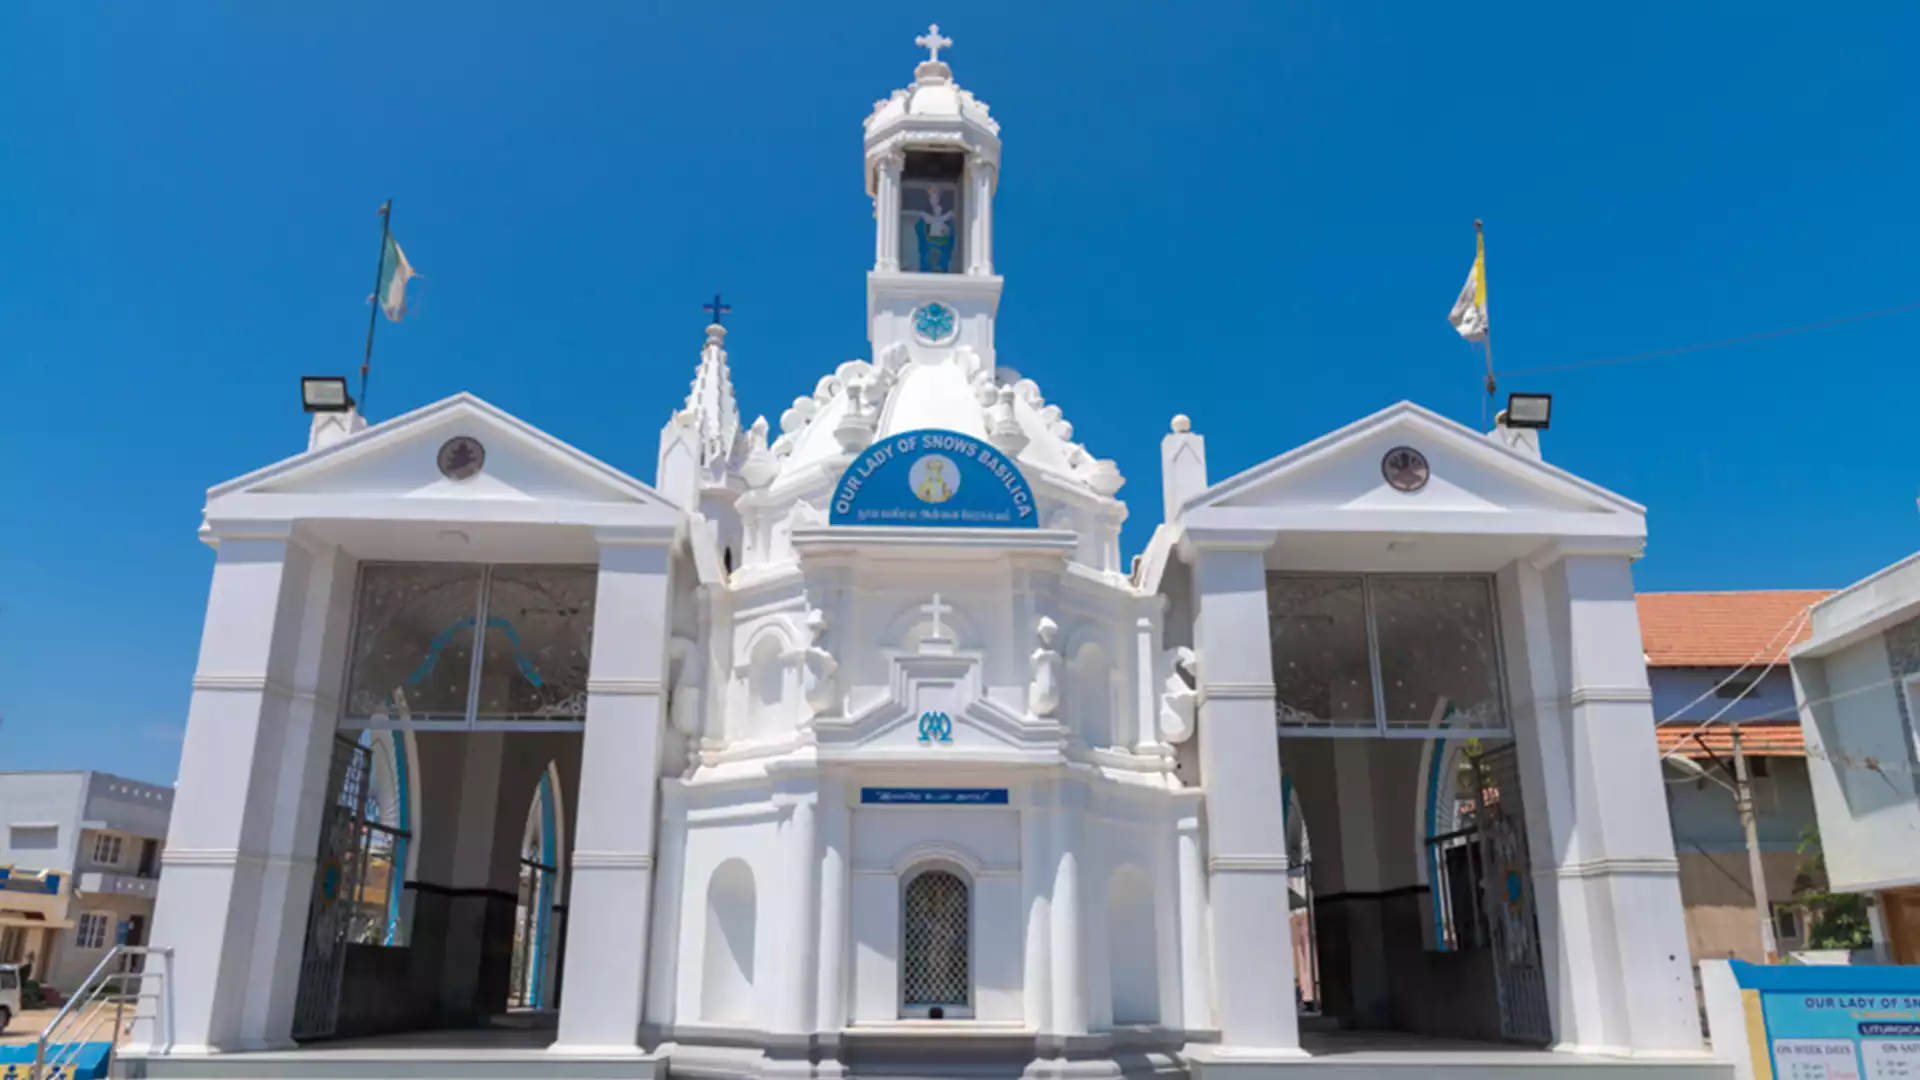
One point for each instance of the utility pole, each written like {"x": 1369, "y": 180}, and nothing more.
{"x": 1743, "y": 802}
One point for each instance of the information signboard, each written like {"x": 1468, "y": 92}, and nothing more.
{"x": 934, "y": 478}
{"x": 1831, "y": 1022}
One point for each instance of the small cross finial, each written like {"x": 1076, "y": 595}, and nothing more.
{"x": 719, "y": 309}
{"x": 937, "y": 609}
{"x": 933, "y": 43}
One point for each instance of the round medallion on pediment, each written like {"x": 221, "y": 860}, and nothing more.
{"x": 1405, "y": 469}
{"x": 462, "y": 457}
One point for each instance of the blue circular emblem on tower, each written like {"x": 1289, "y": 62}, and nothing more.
{"x": 934, "y": 323}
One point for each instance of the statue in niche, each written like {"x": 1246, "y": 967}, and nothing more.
{"x": 925, "y": 206}
{"x": 1043, "y": 693}
{"x": 1181, "y": 697}
{"x": 683, "y": 695}
{"x": 822, "y": 670}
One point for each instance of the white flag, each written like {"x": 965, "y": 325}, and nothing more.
{"x": 395, "y": 272}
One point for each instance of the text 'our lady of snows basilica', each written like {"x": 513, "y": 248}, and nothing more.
{"x": 850, "y": 744}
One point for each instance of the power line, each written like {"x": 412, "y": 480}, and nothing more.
{"x": 1721, "y": 344}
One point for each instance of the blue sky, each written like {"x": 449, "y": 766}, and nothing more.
{"x": 1255, "y": 214}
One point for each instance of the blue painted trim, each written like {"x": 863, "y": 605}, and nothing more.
{"x": 1434, "y": 899}
{"x": 549, "y": 854}
{"x": 403, "y": 815}
{"x": 445, "y": 638}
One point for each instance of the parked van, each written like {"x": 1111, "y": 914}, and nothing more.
{"x": 9, "y": 994}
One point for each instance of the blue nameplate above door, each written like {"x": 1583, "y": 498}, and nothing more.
{"x": 934, "y": 478}
{"x": 920, "y": 796}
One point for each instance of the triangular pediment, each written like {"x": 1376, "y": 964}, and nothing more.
{"x": 1466, "y": 472}
{"x": 400, "y": 459}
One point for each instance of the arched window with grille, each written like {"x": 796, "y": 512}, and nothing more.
{"x": 936, "y": 931}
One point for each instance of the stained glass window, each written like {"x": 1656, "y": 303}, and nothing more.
{"x": 1321, "y": 673}
{"x": 415, "y": 641}
{"x": 533, "y": 663}
{"x": 1438, "y": 662}
{"x": 1386, "y": 652}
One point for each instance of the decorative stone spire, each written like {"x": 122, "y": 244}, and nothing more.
{"x": 716, "y": 417}
{"x": 701, "y": 447}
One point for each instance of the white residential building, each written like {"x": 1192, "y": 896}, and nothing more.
{"x": 79, "y": 868}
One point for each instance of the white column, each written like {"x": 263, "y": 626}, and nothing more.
{"x": 979, "y": 215}
{"x": 1069, "y": 971}
{"x": 306, "y": 754}
{"x": 1146, "y": 705}
{"x": 800, "y": 924}
{"x": 1606, "y": 880}
{"x": 836, "y": 864}
{"x": 669, "y": 884}
{"x": 1036, "y": 889}
{"x": 1196, "y": 970}
{"x": 1620, "y": 795}
{"x": 241, "y": 845}
{"x": 886, "y": 209}
{"x": 1240, "y": 768}
{"x": 608, "y": 917}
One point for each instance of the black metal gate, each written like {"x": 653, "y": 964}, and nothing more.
{"x": 1509, "y": 900}
{"x": 336, "y": 886}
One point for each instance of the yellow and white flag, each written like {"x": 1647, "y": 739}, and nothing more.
{"x": 1469, "y": 315}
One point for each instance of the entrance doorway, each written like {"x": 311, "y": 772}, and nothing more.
{"x": 1397, "y": 756}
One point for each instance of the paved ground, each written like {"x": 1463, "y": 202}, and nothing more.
{"x": 26, "y": 1026}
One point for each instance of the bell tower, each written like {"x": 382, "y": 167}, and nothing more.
{"x": 932, "y": 162}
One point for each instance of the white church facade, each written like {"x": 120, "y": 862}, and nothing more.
{"x": 850, "y": 745}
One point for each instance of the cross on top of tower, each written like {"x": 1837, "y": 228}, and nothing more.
{"x": 933, "y": 43}
{"x": 718, "y": 309}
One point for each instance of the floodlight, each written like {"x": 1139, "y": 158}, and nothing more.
{"x": 1529, "y": 410}
{"x": 324, "y": 393}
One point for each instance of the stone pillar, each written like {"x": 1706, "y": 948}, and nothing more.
{"x": 1240, "y": 768}
{"x": 608, "y": 916}
{"x": 1069, "y": 921}
{"x": 1606, "y": 881}
{"x": 836, "y": 865}
{"x": 979, "y": 216}
{"x": 476, "y": 911}
{"x": 886, "y": 211}
{"x": 1146, "y": 703}
{"x": 1036, "y": 889}
{"x": 800, "y": 924}
{"x": 241, "y": 846}
{"x": 1196, "y": 972}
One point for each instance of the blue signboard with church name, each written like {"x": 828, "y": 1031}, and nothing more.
{"x": 933, "y": 477}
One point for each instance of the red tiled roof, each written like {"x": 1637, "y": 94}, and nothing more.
{"x": 1723, "y": 629}
{"x": 1763, "y": 738}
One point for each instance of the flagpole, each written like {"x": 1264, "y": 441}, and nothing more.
{"x": 373, "y": 315}
{"x": 1486, "y": 343}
